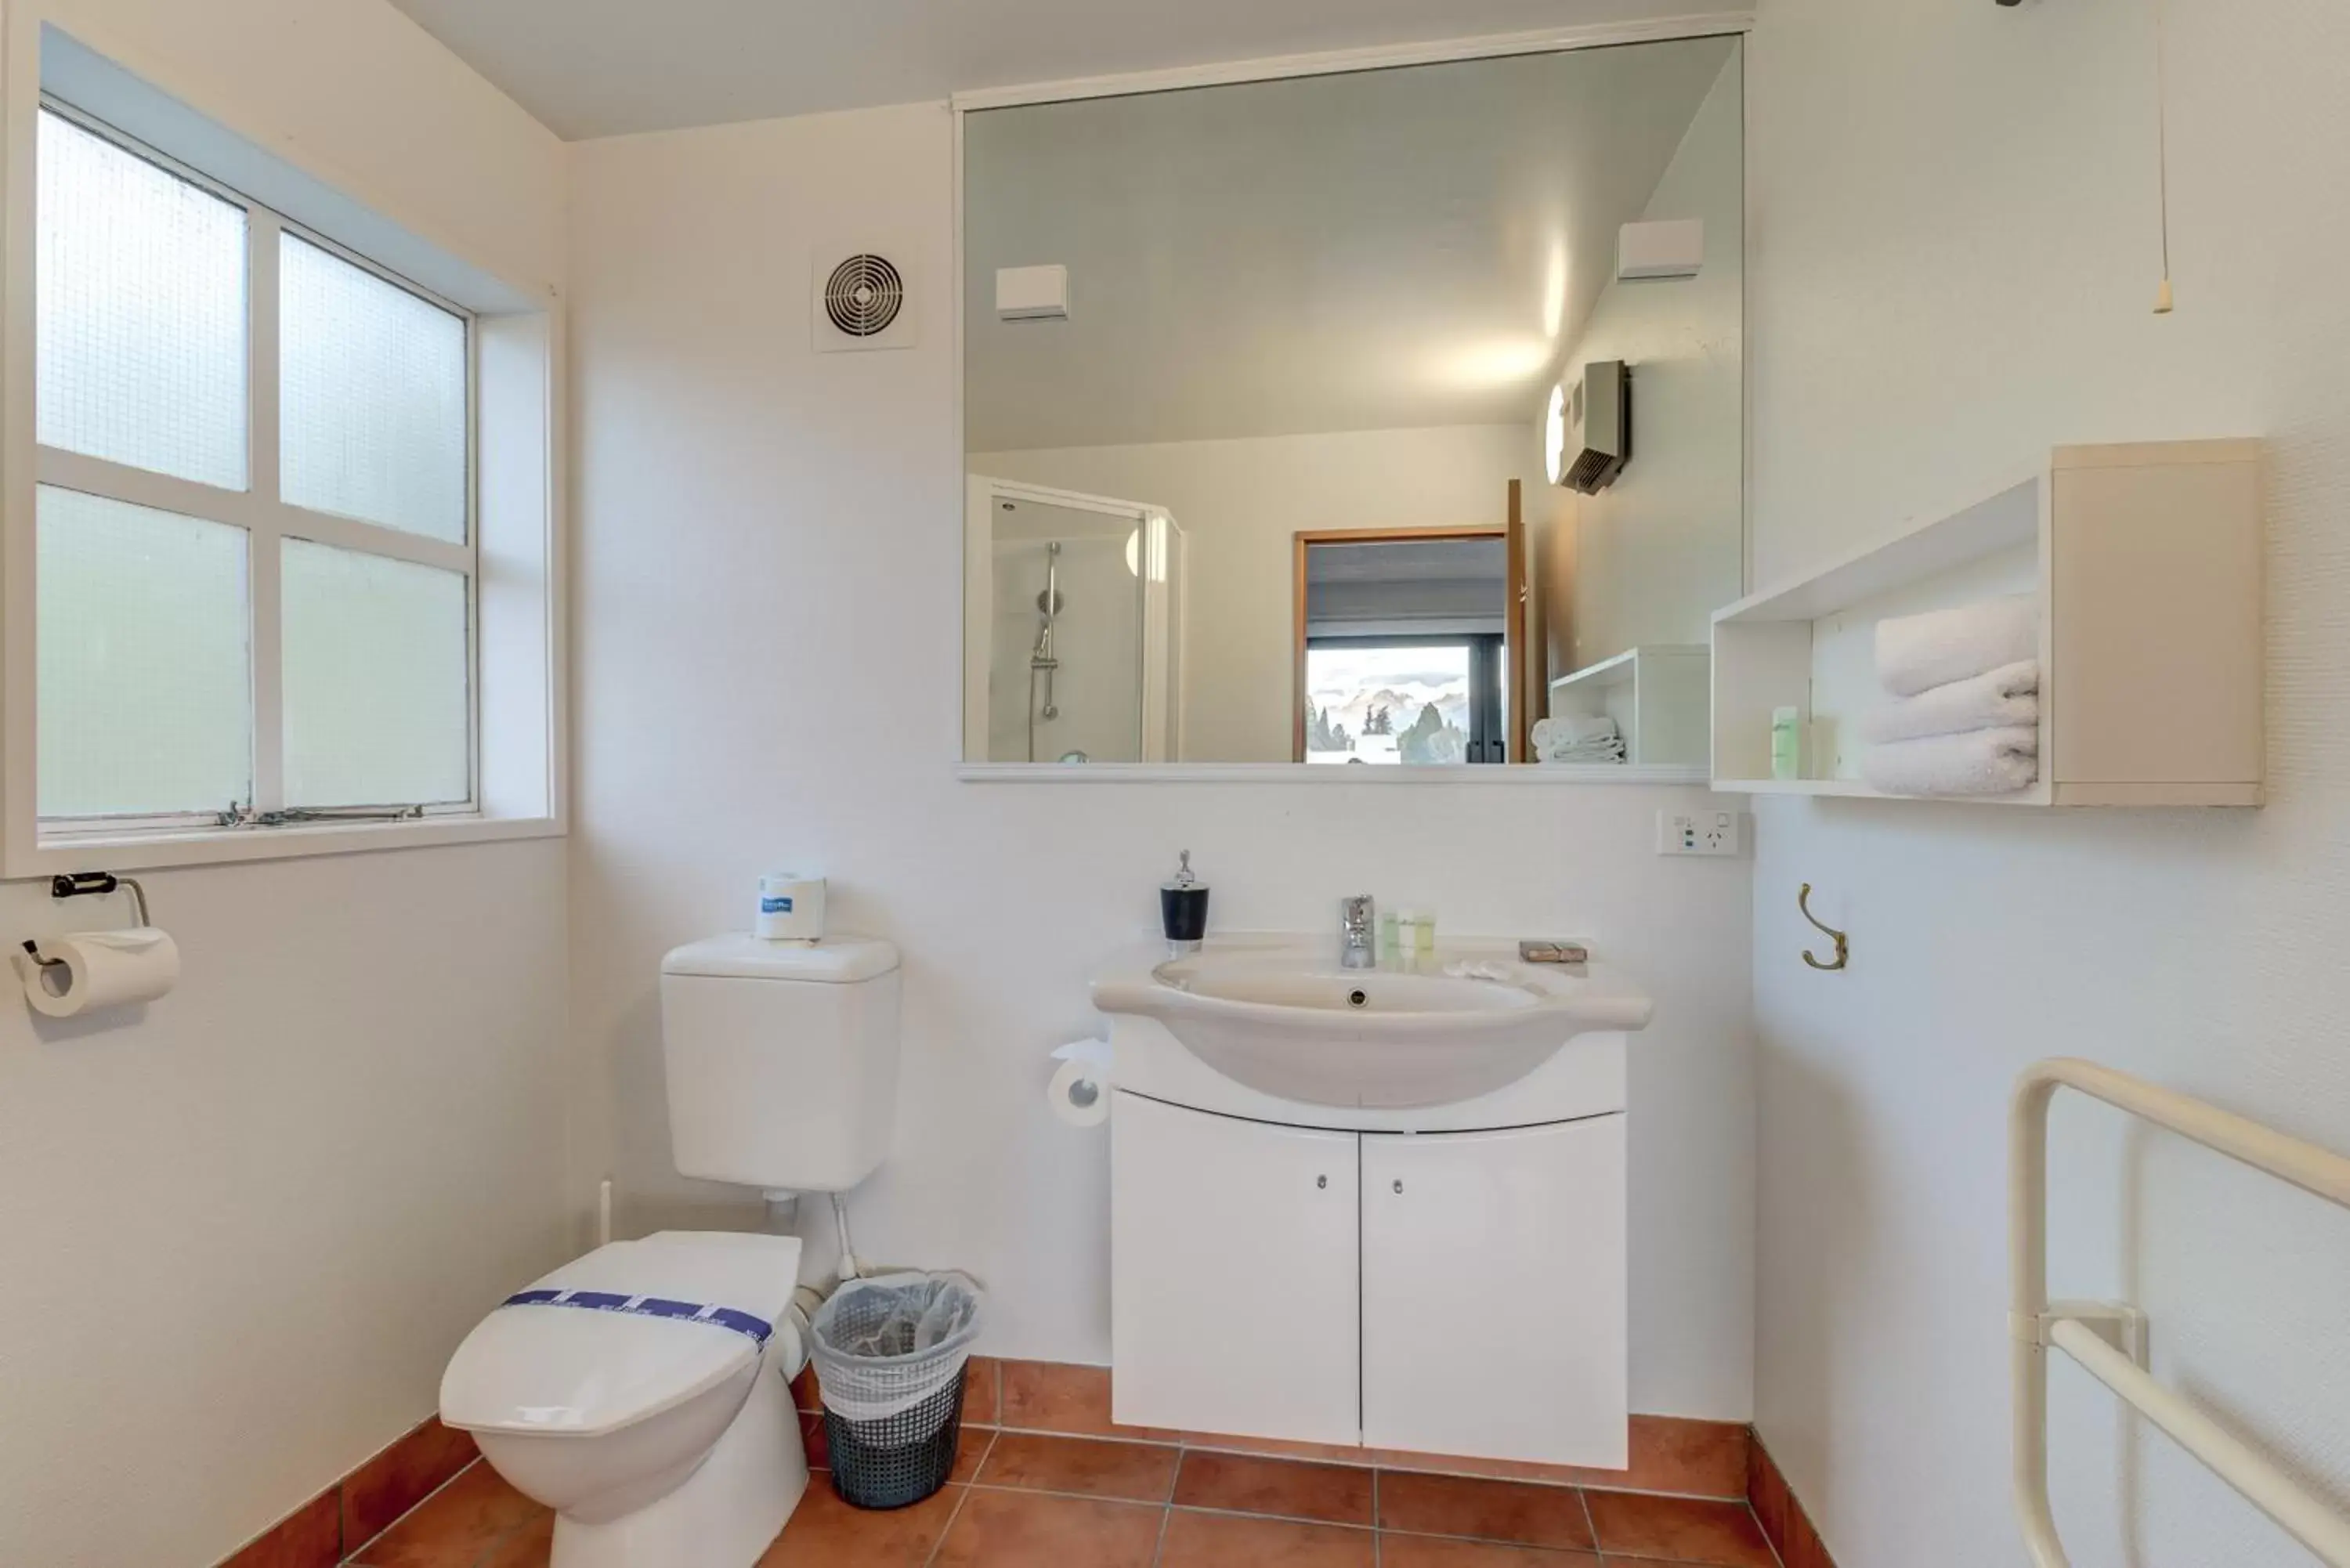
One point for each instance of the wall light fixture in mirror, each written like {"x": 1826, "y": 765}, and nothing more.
{"x": 1285, "y": 472}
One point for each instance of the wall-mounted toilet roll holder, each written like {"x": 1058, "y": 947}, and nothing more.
{"x": 76, "y": 884}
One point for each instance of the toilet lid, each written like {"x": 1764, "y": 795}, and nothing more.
{"x": 627, "y": 1331}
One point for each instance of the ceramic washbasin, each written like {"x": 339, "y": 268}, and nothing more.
{"x": 1283, "y": 1017}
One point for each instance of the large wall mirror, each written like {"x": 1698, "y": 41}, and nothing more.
{"x": 1391, "y": 417}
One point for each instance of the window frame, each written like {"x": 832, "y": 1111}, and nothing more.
{"x": 264, "y": 516}
{"x": 519, "y": 606}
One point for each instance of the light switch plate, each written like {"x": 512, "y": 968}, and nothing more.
{"x": 1701, "y": 832}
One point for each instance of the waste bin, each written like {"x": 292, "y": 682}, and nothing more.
{"x": 889, "y": 1355}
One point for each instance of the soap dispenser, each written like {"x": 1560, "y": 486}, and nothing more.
{"x": 1183, "y": 907}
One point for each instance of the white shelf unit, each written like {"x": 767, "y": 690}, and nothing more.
{"x": 2146, "y": 559}
{"x": 1657, "y": 695}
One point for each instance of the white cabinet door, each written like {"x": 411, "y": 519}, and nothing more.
{"x": 1493, "y": 1293}
{"x": 1233, "y": 1275}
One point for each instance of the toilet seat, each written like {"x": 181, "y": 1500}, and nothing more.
{"x": 619, "y": 1337}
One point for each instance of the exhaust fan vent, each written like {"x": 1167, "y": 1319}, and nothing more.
{"x": 864, "y": 295}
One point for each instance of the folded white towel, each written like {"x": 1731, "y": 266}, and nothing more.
{"x": 2008, "y": 696}
{"x": 1980, "y": 761}
{"x": 1572, "y": 728}
{"x": 1604, "y": 749}
{"x": 1917, "y": 652}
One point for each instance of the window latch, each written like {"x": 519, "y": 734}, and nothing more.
{"x": 242, "y": 816}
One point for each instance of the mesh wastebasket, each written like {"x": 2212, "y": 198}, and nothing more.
{"x": 889, "y": 1355}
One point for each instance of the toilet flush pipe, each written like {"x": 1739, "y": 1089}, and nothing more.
{"x": 791, "y": 1351}
{"x": 604, "y": 1213}
{"x": 848, "y": 1253}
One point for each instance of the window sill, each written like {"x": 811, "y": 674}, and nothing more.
{"x": 154, "y": 851}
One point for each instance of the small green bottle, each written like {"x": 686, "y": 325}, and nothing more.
{"x": 1786, "y": 745}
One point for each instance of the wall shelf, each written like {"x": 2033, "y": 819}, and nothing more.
{"x": 2146, "y": 559}
{"x": 1657, "y": 695}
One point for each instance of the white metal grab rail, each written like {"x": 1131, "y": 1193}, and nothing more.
{"x": 2101, "y": 1337}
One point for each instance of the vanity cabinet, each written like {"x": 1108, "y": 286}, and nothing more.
{"x": 1493, "y": 1293}
{"x": 1456, "y": 1293}
{"x": 1232, "y": 1275}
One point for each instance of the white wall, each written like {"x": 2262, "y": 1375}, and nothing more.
{"x": 1241, "y": 504}
{"x": 1662, "y": 548}
{"x": 1955, "y": 256}
{"x": 244, "y": 1228}
{"x": 769, "y": 589}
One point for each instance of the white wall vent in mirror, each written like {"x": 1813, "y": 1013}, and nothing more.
{"x": 1032, "y": 293}
{"x": 862, "y": 299}
{"x": 1660, "y": 247}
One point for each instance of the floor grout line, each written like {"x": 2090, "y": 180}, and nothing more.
{"x": 1158, "y": 1547}
{"x": 1777, "y": 1556}
{"x": 944, "y": 1530}
{"x": 1209, "y": 1444}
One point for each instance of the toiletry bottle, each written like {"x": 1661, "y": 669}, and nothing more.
{"x": 1786, "y": 745}
{"x": 1183, "y": 909}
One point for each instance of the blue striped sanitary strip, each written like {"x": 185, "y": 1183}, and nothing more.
{"x": 755, "y": 1329}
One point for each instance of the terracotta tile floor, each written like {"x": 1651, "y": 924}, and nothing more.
{"x": 1026, "y": 1501}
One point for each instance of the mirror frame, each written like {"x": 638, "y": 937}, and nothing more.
{"x": 1739, "y": 21}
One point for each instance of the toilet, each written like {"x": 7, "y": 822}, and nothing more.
{"x": 641, "y": 1391}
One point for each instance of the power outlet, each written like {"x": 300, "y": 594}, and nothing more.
{"x": 1697, "y": 833}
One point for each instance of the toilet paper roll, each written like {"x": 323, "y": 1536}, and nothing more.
{"x": 100, "y": 969}
{"x": 791, "y": 908}
{"x": 1079, "y": 1092}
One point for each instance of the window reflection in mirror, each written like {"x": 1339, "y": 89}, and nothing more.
{"x": 1314, "y": 447}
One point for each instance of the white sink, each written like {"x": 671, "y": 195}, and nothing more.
{"x": 1280, "y": 1016}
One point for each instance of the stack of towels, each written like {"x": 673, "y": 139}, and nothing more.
{"x": 1965, "y": 713}
{"x": 1570, "y": 738}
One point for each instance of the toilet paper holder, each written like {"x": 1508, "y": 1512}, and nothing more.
{"x": 74, "y": 885}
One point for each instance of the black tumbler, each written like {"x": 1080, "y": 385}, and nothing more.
{"x": 1183, "y": 906}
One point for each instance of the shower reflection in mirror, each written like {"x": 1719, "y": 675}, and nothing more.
{"x": 1076, "y": 651}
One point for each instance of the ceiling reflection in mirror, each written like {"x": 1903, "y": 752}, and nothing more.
{"x": 1389, "y": 418}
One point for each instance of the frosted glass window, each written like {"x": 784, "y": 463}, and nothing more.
{"x": 373, "y": 397}
{"x": 145, "y": 666}
{"x": 139, "y": 340}
{"x": 376, "y": 679}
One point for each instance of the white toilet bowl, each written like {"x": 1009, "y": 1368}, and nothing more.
{"x": 640, "y": 1392}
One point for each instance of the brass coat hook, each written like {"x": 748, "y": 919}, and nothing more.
{"x": 1843, "y": 948}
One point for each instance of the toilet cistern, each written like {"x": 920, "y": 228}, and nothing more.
{"x": 1358, "y": 919}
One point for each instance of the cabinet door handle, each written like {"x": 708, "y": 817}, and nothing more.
{"x": 1321, "y": 1181}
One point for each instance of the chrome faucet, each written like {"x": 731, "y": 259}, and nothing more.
{"x": 1358, "y": 933}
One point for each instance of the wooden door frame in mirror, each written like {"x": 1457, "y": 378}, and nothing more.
{"x": 1305, "y": 539}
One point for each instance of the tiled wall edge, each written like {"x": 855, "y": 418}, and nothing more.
{"x": 360, "y": 1506}
{"x": 1670, "y": 1454}
{"x": 1675, "y": 1455}
{"x": 1780, "y": 1513}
